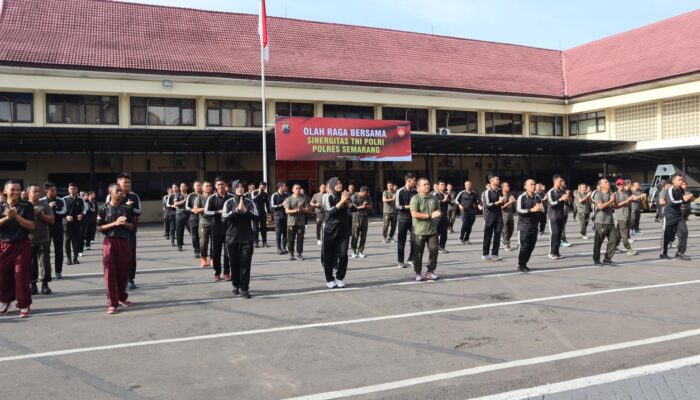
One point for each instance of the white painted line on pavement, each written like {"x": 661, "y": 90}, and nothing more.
{"x": 497, "y": 367}
{"x": 340, "y": 323}
{"x": 588, "y": 381}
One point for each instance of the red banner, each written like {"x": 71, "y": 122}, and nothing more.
{"x": 314, "y": 139}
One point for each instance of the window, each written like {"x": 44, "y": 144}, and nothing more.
{"x": 163, "y": 111}
{"x": 289, "y": 109}
{"x": 345, "y": 111}
{"x": 581, "y": 124}
{"x": 457, "y": 121}
{"x": 234, "y": 113}
{"x": 504, "y": 123}
{"x": 76, "y": 109}
{"x": 418, "y": 117}
{"x": 541, "y": 125}
{"x": 16, "y": 107}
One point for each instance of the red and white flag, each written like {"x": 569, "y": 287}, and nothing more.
{"x": 262, "y": 31}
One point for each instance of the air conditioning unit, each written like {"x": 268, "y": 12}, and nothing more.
{"x": 450, "y": 162}
{"x": 333, "y": 163}
{"x": 366, "y": 164}
{"x": 444, "y": 131}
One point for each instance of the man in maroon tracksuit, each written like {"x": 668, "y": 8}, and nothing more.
{"x": 16, "y": 222}
{"x": 115, "y": 221}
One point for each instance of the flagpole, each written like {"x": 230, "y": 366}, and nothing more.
{"x": 264, "y": 114}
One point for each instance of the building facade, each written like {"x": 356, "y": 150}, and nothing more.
{"x": 173, "y": 94}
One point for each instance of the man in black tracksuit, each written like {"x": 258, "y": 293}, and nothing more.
{"x": 72, "y": 224}
{"x": 56, "y": 229}
{"x": 182, "y": 216}
{"x": 492, "y": 199}
{"x": 673, "y": 220}
{"x": 193, "y": 222}
{"x": 166, "y": 213}
{"x": 469, "y": 204}
{"x": 262, "y": 204}
{"x": 213, "y": 209}
{"x": 337, "y": 225}
{"x": 239, "y": 217}
{"x": 276, "y": 204}
{"x": 542, "y": 194}
{"x": 557, "y": 198}
{"x": 529, "y": 207}
{"x": 444, "y": 200}
{"x": 172, "y": 210}
{"x": 405, "y": 221}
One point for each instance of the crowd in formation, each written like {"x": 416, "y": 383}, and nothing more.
{"x": 226, "y": 223}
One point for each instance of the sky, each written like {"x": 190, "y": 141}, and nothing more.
{"x": 552, "y": 24}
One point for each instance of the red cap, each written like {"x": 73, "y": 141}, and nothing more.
{"x": 620, "y": 182}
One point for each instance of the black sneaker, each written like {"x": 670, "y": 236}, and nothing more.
{"x": 179, "y": 248}
{"x": 664, "y": 257}
{"x": 69, "y": 262}
{"x": 245, "y": 294}
{"x": 33, "y": 289}
{"x": 292, "y": 258}
{"x": 172, "y": 244}
{"x": 597, "y": 262}
{"x": 257, "y": 245}
{"x": 197, "y": 256}
{"x": 236, "y": 291}
{"x": 280, "y": 251}
{"x": 45, "y": 289}
{"x": 682, "y": 256}
{"x": 607, "y": 262}
{"x": 75, "y": 261}
{"x": 523, "y": 268}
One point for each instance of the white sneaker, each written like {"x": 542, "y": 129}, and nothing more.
{"x": 632, "y": 252}
{"x": 419, "y": 278}
{"x": 318, "y": 242}
{"x": 361, "y": 254}
{"x": 402, "y": 265}
{"x": 353, "y": 255}
{"x": 80, "y": 254}
{"x": 4, "y": 307}
{"x": 552, "y": 256}
{"x": 486, "y": 258}
{"x": 584, "y": 237}
{"x": 631, "y": 240}
{"x": 409, "y": 262}
{"x": 339, "y": 283}
{"x": 331, "y": 285}
{"x": 431, "y": 276}
{"x": 496, "y": 258}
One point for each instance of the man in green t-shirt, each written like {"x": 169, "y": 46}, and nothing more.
{"x": 296, "y": 206}
{"x": 425, "y": 211}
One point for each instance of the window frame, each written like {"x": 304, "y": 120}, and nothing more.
{"x": 534, "y": 119}
{"x": 11, "y": 99}
{"x": 492, "y": 129}
{"x": 575, "y": 119}
{"x": 250, "y": 112}
{"x": 161, "y": 102}
{"x": 406, "y": 111}
{"x": 447, "y": 119}
{"x": 291, "y": 105}
{"x": 348, "y": 108}
{"x": 82, "y": 102}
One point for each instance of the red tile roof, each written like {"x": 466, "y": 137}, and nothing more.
{"x": 116, "y": 36}
{"x": 661, "y": 50}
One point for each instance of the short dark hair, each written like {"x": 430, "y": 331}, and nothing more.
{"x": 280, "y": 184}
{"x": 491, "y": 176}
{"x": 112, "y": 186}
{"x": 439, "y": 182}
{"x": 123, "y": 175}
{"x": 674, "y": 176}
{"x": 263, "y": 183}
{"x": 390, "y": 182}
{"x": 555, "y": 177}
{"x": 48, "y": 185}
{"x": 409, "y": 175}
{"x": 364, "y": 188}
{"x": 73, "y": 184}
{"x": 219, "y": 179}
{"x": 12, "y": 182}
